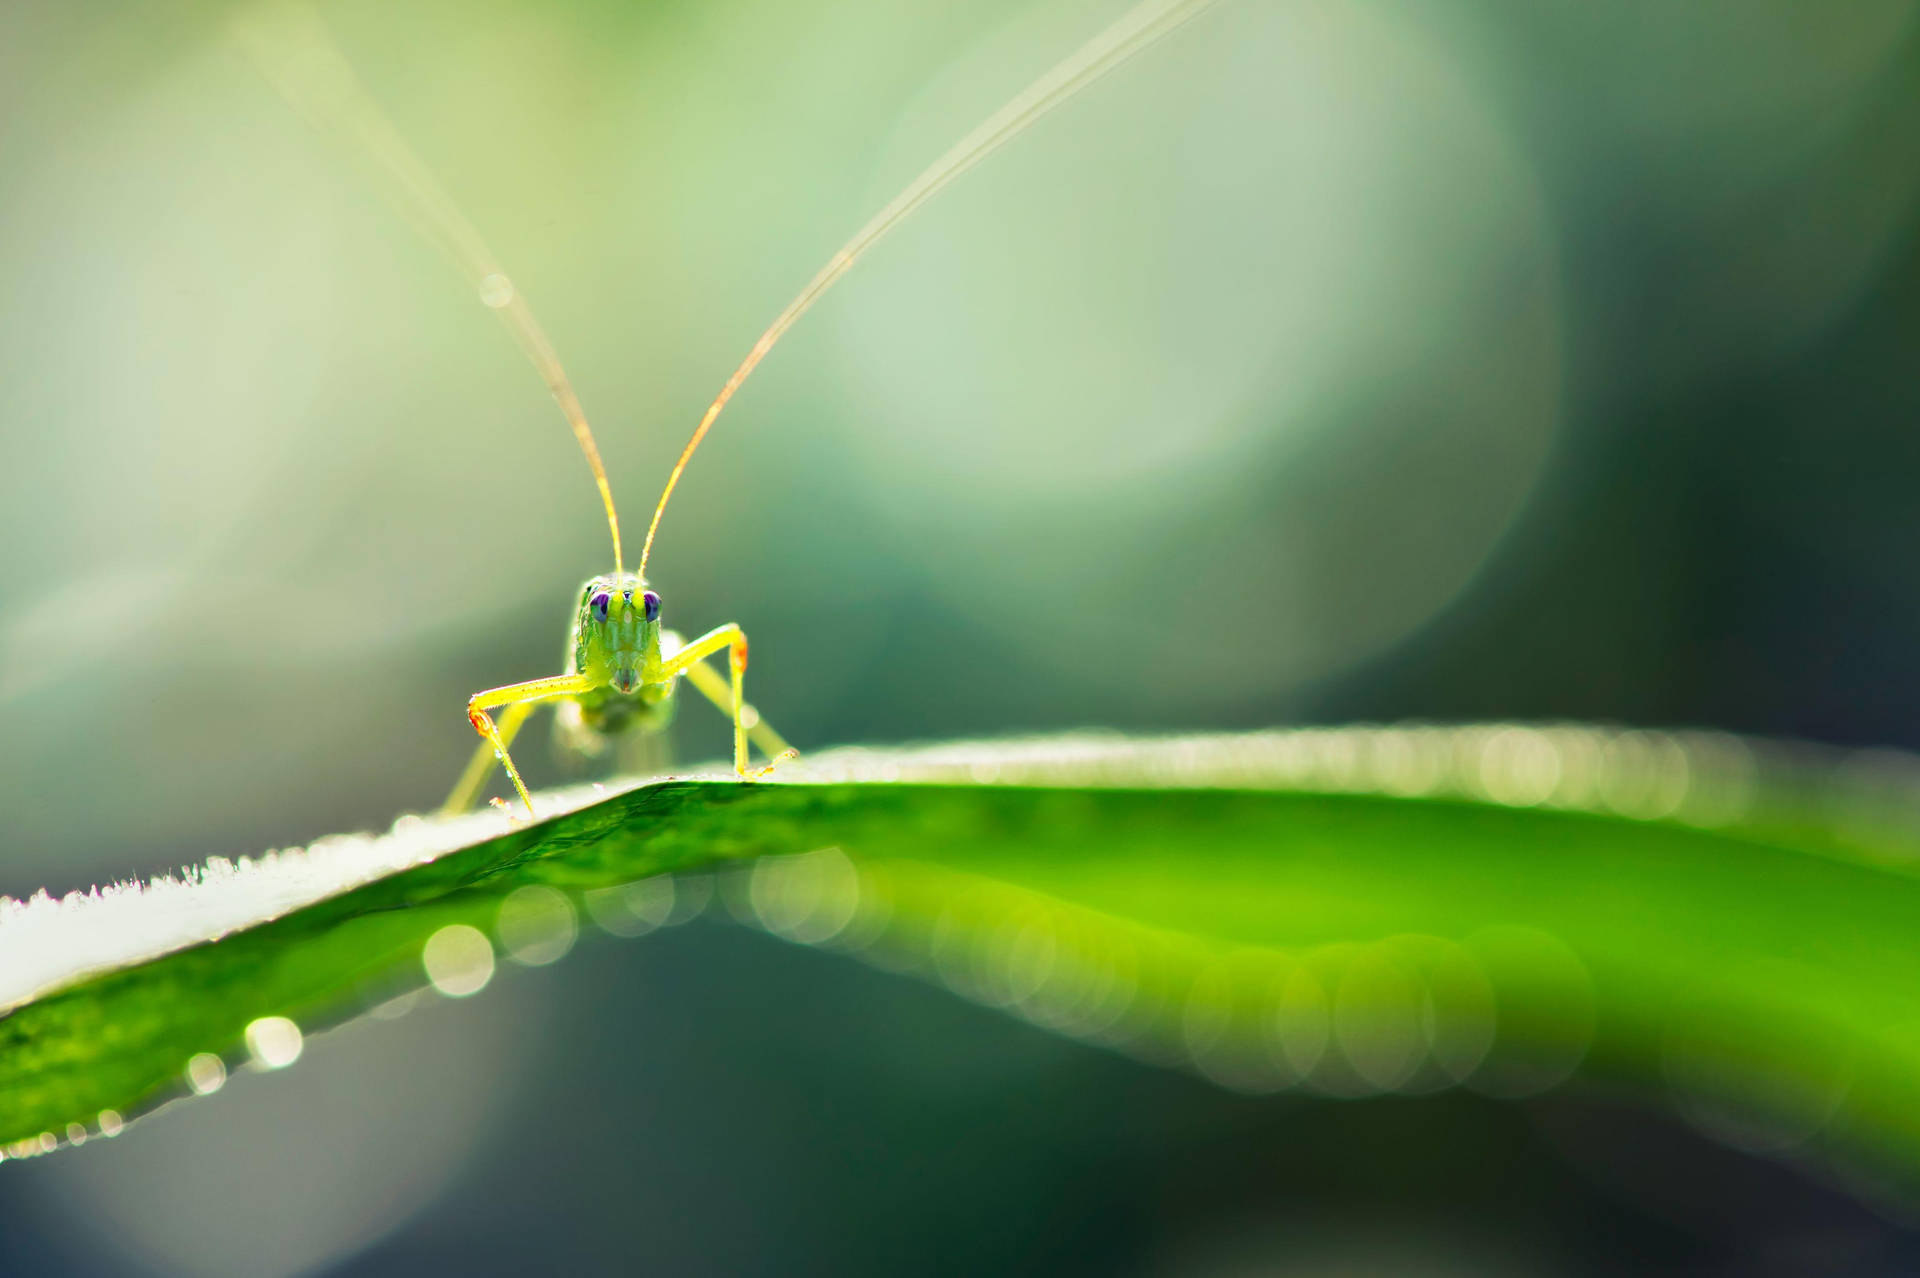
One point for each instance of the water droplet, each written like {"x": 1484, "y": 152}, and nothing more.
{"x": 496, "y": 291}
{"x": 632, "y": 909}
{"x": 1027, "y": 954}
{"x": 274, "y": 1042}
{"x": 807, "y": 898}
{"x": 537, "y": 925}
{"x": 1459, "y": 1006}
{"x": 1378, "y": 1020}
{"x": 1644, "y": 775}
{"x": 692, "y": 893}
{"x": 1228, "y": 1022}
{"x": 206, "y": 1073}
{"x": 458, "y": 960}
{"x": 1519, "y": 767}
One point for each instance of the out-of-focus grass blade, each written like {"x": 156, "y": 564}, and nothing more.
{"x": 1345, "y": 911}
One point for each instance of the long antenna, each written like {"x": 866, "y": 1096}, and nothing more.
{"x": 1137, "y": 29}
{"x": 292, "y": 49}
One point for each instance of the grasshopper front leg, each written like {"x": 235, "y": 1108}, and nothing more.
{"x": 690, "y": 658}
{"x": 515, "y": 695}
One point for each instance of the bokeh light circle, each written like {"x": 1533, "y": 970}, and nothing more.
{"x": 1170, "y": 398}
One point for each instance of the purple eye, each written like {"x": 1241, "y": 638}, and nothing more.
{"x": 599, "y": 606}
{"x": 653, "y": 605}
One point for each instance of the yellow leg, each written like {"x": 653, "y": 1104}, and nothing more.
{"x": 467, "y": 789}
{"x": 734, "y": 640}
{"x": 569, "y": 685}
{"x": 714, "y": 688}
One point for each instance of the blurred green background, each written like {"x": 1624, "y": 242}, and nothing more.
{"x": 1333, "y": 361}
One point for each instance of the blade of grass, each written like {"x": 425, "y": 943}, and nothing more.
{"x": 1348, "y": 911}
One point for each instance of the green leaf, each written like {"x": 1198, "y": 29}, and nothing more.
{"x": 1345, "y": 911}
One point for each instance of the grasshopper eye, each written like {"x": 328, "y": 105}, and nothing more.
{"x": 653, "y": 605}
{"x": 599, "y": 606}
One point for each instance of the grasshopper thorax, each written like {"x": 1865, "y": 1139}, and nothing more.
{"x": 616, "y": 631}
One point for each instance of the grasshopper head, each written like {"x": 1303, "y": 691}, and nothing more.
{"x": 617, "y": 631}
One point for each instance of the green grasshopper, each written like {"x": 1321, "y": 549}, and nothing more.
{"x": 622, "y": 666}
